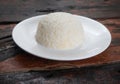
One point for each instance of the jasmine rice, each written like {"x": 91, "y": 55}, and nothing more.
{"x": 60, "y": 31}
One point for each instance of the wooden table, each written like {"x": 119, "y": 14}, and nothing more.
{"x": 19, "y": 67}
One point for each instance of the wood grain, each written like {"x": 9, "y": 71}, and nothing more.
{"x": 108, "y": 74}
{"x": 26, "y": 62}
{"x": 22, "y": 9}
{"x": 7, "y": 46}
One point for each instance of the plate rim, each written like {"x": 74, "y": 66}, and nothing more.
{"x": 55, "y": 58}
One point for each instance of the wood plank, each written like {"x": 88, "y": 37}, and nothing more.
{"x": 22, "y": 9}
{"x": 6, "y": 30}
{"x": 26, "y": 62}
{"x": 7, "y": 46}
{"x": 5, "y": 36}
{"x": 108, "y": 74}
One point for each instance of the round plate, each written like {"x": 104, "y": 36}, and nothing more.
{"x": 97, "y": 39}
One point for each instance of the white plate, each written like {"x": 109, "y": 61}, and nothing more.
{"x": 97, "y": 39}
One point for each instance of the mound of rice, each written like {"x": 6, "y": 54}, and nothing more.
{"x": 60, "y": 31}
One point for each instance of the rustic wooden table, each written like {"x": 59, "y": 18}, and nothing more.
{"x": 19, "y": 67}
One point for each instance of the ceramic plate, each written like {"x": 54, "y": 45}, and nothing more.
{"x": 97, "y": 39}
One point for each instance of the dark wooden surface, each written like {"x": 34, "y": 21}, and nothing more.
{"x": 19, "y": 67}
{"x": 109, "y": 74}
